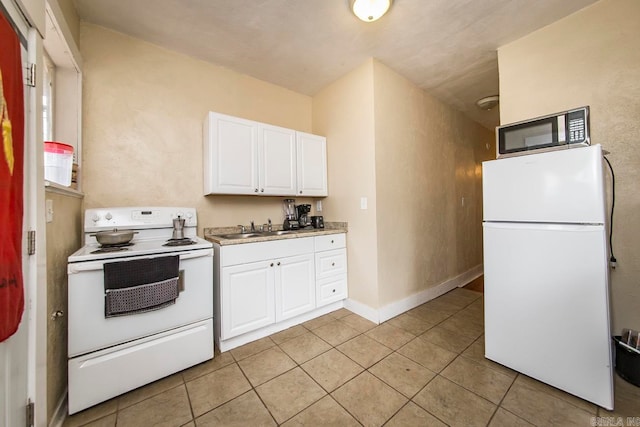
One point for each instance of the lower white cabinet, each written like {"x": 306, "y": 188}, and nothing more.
{"x": 259, "y": 284}
{"x": 248, "y": 297}
{"x": 295, "y": 286}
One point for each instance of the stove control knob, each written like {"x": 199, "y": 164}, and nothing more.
{"x": 95, "y": 217}
{"x": 179, "y": 214}
{"x": 108, "y": 216}
{"x": 189, "y": 215}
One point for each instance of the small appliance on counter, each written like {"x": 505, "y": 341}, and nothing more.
{"x": 290, "y": 215}
{"x": 317, "y": 221}
{"x": 303, "y": 215}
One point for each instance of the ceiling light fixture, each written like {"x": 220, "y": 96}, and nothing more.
{"x": 488, "y": 102}
{"x": 370, "y": 10}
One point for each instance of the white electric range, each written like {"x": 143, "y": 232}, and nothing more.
{"x": 111, "y": 353}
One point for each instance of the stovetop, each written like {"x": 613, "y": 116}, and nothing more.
{"x": 138, "y": 247}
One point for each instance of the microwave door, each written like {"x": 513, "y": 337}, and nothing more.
{"x": 529, "y": 136}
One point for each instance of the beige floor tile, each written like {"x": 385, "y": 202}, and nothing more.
{"x": 459, "y": 297}
{"x": 304, "y": 347}
{"x": 213, "y": 389}
{"x": 220, "y": 360}
{"x": 189, "y": 424}
{"x": 289, "y": 394}
{"x": 288, "y": 334}
{"x": 149, "y": 390}
{"x": 540, "y": 408}
{"x": 453, "y": 404}
{"x": 358, "y": 323}
{"x": 391, "y": 336}
{"x": 490, "y": 384}
{"x": 404, "y": 375}
{"x": 266, "y": 365}
{"x": 108, "y": 421}
{"x": 325, "y": 412}
{"x": 91, "y": 414}
{"x": 252, "y": 348}
{"x": 369, "y": 400}
{"x": 412, "y": 324}
{"x": 462, "y": 326}
{"x": 245, "y": 410}
{"x": 473, "y": 316}
{"x": 364, "y": 350}
{"x": 335, "y": 332}
{"x": 430, "y": 314}
{"x": 569, "y": 398}
{"x": 429, "y": 355}
{"x": 475, "y": 352}
{"x": 319, "y": 321}
{"x": 170, "y": 409}
{"x": 503, "y": 418}
{"x": 447, "y": 339}
{"x": 411, "y": 415}
{"x": 441, "y": 305}
{"x": 332, "y": 369}
{"x": 340, "y": 313}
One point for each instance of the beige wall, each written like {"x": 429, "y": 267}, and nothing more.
{"x": 414, "y": 158}
{"x": 343, "y": 112}
{"x": 143, "y": 110}
{"x": 428, "y": 159}
{"x": 590, "y": 58}
{"x": 63, "y": 238}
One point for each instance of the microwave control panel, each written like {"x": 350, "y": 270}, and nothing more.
{"x": 577, "y": 126}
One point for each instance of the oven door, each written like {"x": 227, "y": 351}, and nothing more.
{"x": 90, "y": 330}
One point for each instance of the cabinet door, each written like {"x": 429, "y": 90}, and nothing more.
{"x": 247, "y": 296}
{"x": 295, "y": 286}
{"x": 277, "y": 164}
{"x": 312, "y": 164}
{"x": 230, "y": 155}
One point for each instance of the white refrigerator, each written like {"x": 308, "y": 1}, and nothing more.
{"x": 546, "y": 270}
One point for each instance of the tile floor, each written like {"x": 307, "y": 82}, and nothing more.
{"x": 424, "y": 367}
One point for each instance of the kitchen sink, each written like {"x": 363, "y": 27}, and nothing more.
{"x": 234, "y": 236}
{"x": 240, "y": 235}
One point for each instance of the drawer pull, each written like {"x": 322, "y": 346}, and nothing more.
{"x": 278, "y": 262}
{"x": 334, "y": 291}
{"x": 333, "y": 264}
{"x": 271, "y": 264}
{"x": 332, "y": 241}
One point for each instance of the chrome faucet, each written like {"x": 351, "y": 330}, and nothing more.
{"x": 253, "y": 227}
{"x": 269, "y": 226}
{"x": 242, "y": 228}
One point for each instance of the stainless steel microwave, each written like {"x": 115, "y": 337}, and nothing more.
{"x": 556, "y": 131}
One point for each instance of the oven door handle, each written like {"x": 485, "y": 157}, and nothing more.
{"x": 99, "y": 265}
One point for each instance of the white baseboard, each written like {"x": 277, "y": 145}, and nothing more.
{"x": 390, "y": 311}
{"x": 60, "y": 414}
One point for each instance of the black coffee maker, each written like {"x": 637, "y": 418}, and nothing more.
{"x": 303, "y": 215}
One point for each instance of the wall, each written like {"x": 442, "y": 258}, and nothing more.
{"x": 71, "y": 18}
{"x": 428, "y": 158}
{"x": 413, "y": 158}
{"x": 343, "y": 112}
{"x": 590, "y": 58}
{"x": 63, "y": 238}
{"x": 143, "y": 110}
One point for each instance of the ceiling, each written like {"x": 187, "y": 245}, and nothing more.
{"x": 447, "y": 47}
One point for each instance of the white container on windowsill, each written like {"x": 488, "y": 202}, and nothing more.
{"x": 58, "y": 162}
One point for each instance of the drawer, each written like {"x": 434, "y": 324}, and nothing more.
{"x": 331, "y": 290}
{"x": 331, "y": 263}
{"x": 261, "y": 251}
{"x": 330, "y": 241}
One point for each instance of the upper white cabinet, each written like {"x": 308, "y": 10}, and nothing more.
{"x": 247, "y": 157}
{"x": 312, "y": 164}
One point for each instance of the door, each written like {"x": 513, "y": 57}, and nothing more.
{"x": 14, "y": 352}
{"x": 546, "y": 305}
{"x": 248, "y": 301}
{"x": 230, "y": 155}
{"x": 312, "y": 164}
{"x": 295, "y": 286}
{"x": 277, "y": 151}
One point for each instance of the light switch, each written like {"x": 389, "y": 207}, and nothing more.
{"x": 49, "y": 209}
{"x": 363, "y": 203}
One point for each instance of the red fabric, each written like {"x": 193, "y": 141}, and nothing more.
{"x": 11, "y": 176}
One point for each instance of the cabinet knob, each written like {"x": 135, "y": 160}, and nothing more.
{"x": 334, "y": 291}
{"x": 262, "y": 190}
{"x": 271, "y": 264}
{"x": 255, "y": 191}
{"x": 332, "y": 241}
{"x": 333, "y": 264}
{"x": 278, "y": 262}
{"x": 300, "y": 191}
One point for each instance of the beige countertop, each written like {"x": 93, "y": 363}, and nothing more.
{"x": 214, "y": 234}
